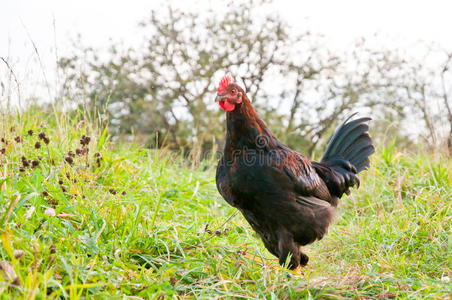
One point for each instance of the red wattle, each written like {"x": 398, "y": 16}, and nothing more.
{"x": 227, "y": 106}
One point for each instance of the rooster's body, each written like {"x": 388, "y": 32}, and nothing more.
{"x": 288, "y": 200}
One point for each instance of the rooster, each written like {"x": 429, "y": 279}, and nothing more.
{"x": 287, "y": 199}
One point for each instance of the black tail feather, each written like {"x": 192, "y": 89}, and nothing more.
{"x": 353, "y": 138}
{"x": 362, "y": 155}
{"x": 344, "y": 136}
{"x": 346, "y": 155}
{"x": 352, "y": 143}
{"x": 360, "y": 143}
{"x": 364, "y": 164}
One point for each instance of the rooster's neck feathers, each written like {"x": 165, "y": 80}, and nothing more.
{"x": 245, "y": 129}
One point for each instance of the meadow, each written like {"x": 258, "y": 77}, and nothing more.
{"x": 83, "y": 217}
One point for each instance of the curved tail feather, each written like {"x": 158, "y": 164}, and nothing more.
{"x": 346, "y": 155}
{"x": 351, "y": 142}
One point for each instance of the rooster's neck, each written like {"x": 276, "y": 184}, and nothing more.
{"x": 246, "y": 130}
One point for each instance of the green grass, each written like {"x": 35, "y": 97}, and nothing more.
{"x": 147, "y": 223}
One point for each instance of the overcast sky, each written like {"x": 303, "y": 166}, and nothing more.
{"x": 98, "y": 21}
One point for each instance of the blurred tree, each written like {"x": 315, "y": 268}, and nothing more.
{"x": 164, "y": 91}
{"x": 422, "y": 87}
{"x": 446, "y": 78}
{"x": 169, "y": 86}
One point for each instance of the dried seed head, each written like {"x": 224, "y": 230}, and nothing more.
{"x": 60, "y": 182}
{"x": 3, "y": 151}
{"x": 84, "y": 141}
{"x": 16, "y": 282}
{"x": 41, "y": 135}
{"x": 69, "y": 160}
{"x": 173, "y": 281}
{"x": 25, "y": 162}
{"x": 46, "y": 140}
{"x": 30, "y": 132}
{"x": 38, "y": 145}
{"x": 34, "y": 163}
{"x": 78, "y": 151}
{"x": 18, "y": 139}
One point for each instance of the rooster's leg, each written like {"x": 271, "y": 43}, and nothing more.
{"x": 287, "y": 245}
{"x": 303, "y": 259}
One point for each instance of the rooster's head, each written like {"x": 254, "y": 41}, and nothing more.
{"x": 228, "y": 94}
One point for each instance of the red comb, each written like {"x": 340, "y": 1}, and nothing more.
{"x": 224, "y": 82}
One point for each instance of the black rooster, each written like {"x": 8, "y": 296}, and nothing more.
{"x": 288, "y": 200}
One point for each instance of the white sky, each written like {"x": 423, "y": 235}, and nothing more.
{"x": 98, "y": 21}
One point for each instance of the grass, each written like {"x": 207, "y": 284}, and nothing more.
{"x": 122, "y": 220}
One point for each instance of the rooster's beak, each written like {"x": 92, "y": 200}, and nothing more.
{"x": 219, "y": 98}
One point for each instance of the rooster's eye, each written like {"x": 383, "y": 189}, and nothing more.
{"x": 233, "y": 91}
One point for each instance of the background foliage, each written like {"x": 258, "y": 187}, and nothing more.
{"x": 163, "y": 92}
